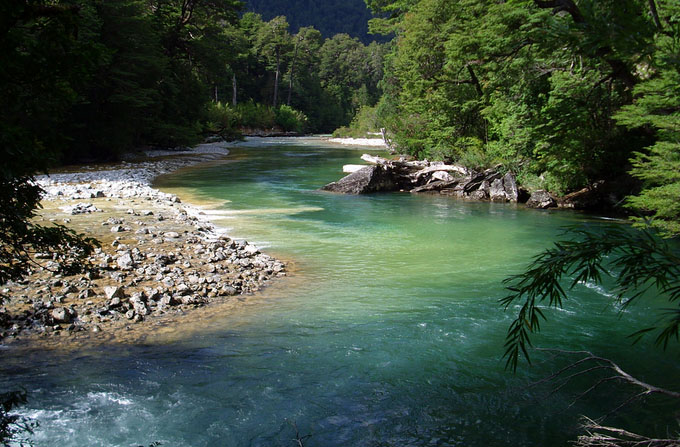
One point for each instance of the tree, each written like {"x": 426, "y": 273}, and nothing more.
{"x": 390, "y": 13}
{"x": 347, "y": 74}
{"x": 13, "y": 427}
{"x": 37, "y": 87}
{"x": 528, "y": 84}
{"x": 273, "y": 43}
{"x": 638, "y": 261}
{"x": 656, "y": 108}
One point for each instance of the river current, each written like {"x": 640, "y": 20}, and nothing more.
{"x": 388, "y": 331}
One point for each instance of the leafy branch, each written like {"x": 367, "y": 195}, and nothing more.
{"x": 637, "y": 261}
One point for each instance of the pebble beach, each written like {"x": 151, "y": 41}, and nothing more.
{"x": 157, "y": 256}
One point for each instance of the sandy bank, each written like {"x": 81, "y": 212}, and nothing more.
{"x": 158, "y": 256}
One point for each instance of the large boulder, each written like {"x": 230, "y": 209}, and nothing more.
{"x": 541, "y": 199}
{"x": 366, "y": 180}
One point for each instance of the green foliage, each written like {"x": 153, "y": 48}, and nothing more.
{"x": 31, "y": 105}
{"x": 363, "y": 125}
{"x": 638, "y": 262}
{"x": 389, "y": 14}
{"x": 227, "y": 120}
{"x": 20, "y": 238}
{"x": 90, "y": 80}
{"x": 222, "y": 120}
{"x": 326, "y": 80}
{"x": 255, "y": 116}
{"x": 291, "y": 120}
{"x": 520, "y": 82}
{"x": 656, "y": 108}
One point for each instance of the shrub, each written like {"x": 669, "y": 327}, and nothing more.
{"x": 256, "y": 116}
{"x": 222, "y": 120}
{"x": 291, "y": 120}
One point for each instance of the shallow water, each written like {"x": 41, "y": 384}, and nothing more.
{"x": 388, "y": 333}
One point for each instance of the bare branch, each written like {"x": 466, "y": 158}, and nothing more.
{"x": 299, "y": 440}
{"x": 601, "y": 436}
{"x": 621, "y": 374}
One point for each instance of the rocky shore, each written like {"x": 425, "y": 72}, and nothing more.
{"x": 158, "y": 256}
{"x": 422, "y": 176}
{"x": 426, "y": 177}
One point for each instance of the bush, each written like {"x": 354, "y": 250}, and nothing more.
{"x": 255, "y": 116}
{"x": 291, "y": 120}
{"x": 222, "y": 120}
{"x": 364, "y": 123}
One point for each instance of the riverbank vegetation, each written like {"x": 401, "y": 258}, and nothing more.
{"x": 564, "y": 93}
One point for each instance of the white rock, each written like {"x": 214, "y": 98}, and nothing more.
{"x": 114, "y": 292}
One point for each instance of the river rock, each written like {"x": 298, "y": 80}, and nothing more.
{"x": 81, "y": 208}
{"x": 497, "y": 191}
{"x": 114, "y": 292}
{"x": 443, "y": 176}
{"x": 510, "y": 187}
{"x": 125, "y": 261}
{"x": 251, "y": 250}
{"x": 541, "y": 199}
{"x": 348, "y": 169}
{"x": 62, "y": 315}
{"x": 365, "y": 180}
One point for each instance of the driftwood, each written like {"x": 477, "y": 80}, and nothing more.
{"x": 388, "y": 141}
{"x": 426, "y": 177}
{"x": 597, "y": 435}
{"x": 439, "y": 168}
{"x": 401, "y": 163}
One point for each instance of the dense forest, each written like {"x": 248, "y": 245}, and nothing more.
{"x": 565, "y": 93}
{"x": 87, "y": 79}
{"x": 331, "y": 17}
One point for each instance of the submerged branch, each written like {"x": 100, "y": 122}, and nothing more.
{"x": 608, "y": 364}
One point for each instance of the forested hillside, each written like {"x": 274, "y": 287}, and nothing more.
{"x": 83, "y": 79}
{"x": 328, "y": 16}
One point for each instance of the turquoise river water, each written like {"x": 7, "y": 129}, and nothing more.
{"x": 388, "y": 331}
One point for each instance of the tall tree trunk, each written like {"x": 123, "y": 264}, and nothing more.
{"x": 216, "y": 97}
{"x": 292, "y": 73}
{"x": 276, "y": 79}
{"x": 655, "y": 15}
{"x": 475, "y": 81}
{"x": 233, "y": 91}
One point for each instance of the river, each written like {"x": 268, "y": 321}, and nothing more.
{"x": 388, "y": 331}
